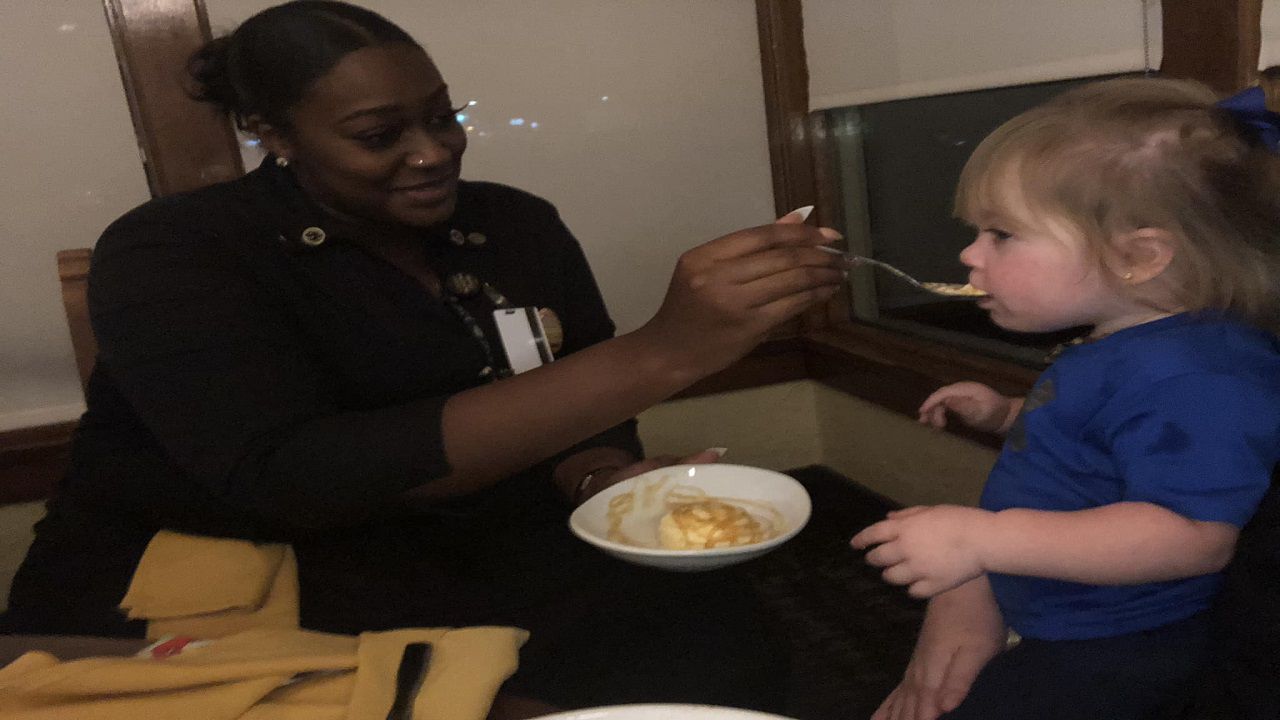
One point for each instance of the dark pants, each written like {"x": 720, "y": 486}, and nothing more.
{"x": 1130, "y": 677}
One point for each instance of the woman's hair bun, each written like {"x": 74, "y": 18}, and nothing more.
{"x": 210, "y": 77}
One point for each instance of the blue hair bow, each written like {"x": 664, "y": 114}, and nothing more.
{"x": 1249, "y": 108}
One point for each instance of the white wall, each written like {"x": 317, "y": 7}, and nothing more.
{"x": 775, "y": 426}
{"x": 864, "y": 51}
{"x": 70, "y": 167}
{"x": 1269, "y": 54}
{"x": 676, "y": 155}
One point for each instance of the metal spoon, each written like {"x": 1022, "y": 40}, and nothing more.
{"x": 948, "y": 289}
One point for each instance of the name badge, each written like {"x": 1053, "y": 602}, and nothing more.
{"x": 523, "y": 338}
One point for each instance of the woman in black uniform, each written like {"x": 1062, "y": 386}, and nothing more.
{"x": 308, "y": 355}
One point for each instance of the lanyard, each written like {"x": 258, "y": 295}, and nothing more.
{"x": 491, "y": 370}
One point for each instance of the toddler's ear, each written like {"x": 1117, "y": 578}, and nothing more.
{"x": 1142, "y": 255}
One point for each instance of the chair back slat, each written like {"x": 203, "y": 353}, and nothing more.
{"x": 73, "y": 273}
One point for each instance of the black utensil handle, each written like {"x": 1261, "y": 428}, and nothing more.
{"x": 413, "y": 670}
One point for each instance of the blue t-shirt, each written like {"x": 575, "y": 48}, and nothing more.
{"x": 1182, "y": 412}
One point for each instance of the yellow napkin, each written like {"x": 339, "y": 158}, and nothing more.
{"x": 268, "y": 674}
{"x": 212, "y": 587}
{"x": 456, "y": 656}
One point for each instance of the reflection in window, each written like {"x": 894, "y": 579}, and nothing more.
{"x": 897, "y": 165}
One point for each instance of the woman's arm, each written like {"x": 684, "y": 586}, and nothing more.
{"x": 724, "y": 298}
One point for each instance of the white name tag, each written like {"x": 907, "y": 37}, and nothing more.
{"x": 523, "y": 339}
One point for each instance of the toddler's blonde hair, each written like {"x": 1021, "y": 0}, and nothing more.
{"x": 1121, "y": 155}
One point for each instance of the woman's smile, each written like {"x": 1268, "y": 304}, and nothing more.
{"x": 429, "y": 192}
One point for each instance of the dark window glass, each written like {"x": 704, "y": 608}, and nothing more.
{"x": 898, "y": 163}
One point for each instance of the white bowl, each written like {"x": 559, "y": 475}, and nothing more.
{"x": 661, "y": 712}
{"x": 755, "y": 485}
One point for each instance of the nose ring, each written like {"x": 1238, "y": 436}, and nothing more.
{"x": 417, "y": 162}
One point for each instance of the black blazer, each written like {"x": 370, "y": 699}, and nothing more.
{"x": 257, "y": 381}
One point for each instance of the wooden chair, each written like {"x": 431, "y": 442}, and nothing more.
{"x": 73, "y": 272}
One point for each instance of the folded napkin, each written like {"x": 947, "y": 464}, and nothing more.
{"x": 268, "y": 674}
{"x": 209, "y": 587}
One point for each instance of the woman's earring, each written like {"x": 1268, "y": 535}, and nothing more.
{"x": 282, "y": 161}
{"x": 1128, "y": 276}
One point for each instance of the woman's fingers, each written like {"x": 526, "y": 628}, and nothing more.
{"x": 785, "y": 284}
{"x": 785, "y": 232}
{"x": 774, "y": 261}
{"x": 795, "y": 217}
{"x": 709, "y": 455}
{"x": 725, "y": 296}
{"x": 641, "y": 467}
{"x": 783, "y": 309}
{"x": 756, "y": 239}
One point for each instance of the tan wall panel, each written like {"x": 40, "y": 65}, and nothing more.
{"x": 805, "y": 422}
{"x": 775, "y": 426}
{"x": 896, "y": 456}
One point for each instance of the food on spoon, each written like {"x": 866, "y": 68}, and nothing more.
{"x": 709, "y": 524}
{"x": 956, "y": 289}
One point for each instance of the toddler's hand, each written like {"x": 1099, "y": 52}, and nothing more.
{"x": 929, "y": 549}
{"x": 977, "y": 406}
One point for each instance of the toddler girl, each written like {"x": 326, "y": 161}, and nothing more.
{"x": 1142, "y": 209}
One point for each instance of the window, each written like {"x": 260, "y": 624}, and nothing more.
{"x": 897, "y": 164}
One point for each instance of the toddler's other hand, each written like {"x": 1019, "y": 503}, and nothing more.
{"x": 975, "y": 404}
{"x": 930, "y": 549}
